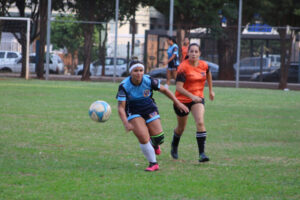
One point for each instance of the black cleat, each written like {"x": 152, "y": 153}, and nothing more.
{"x": 174, "y": 153}
{"x": 203, "y": 158}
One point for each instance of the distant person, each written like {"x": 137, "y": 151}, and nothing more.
{"x": 173, "y": 60}
{"x": 139, "y": 113}
{"x": 184, "y": 48}
{"x": 190, "y": 81}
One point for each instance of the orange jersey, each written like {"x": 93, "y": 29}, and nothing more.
{"x": 193, "y": 78}
{"x": 184, "y": 50}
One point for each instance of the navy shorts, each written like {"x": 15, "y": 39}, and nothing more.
{"x": 172, "y": 66}
{"x": 189, "y": 105}
{"x": 147, "y": 117}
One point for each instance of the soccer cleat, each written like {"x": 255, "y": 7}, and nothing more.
{"x": 157, "y": 150}
{"x": 174, "y": 152}
{"x": 152, "y": 167}
{"x": 203, "y": 158}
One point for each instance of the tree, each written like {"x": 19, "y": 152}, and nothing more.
{"x": 67, "y": 36}
{"x": 36, "y": 30}
{"x": 287, "y": 14}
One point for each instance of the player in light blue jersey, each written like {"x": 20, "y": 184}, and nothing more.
{"x": 173, "y": 60}
{"x": 139, "y": 113}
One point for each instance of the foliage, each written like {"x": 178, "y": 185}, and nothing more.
{"x": 66, "y": 35}
{"x": 55, "y": 151}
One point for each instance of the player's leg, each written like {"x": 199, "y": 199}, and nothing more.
{"x": 174, "y": 73}
{"x": 156, "y": 134}
{"x": 198, "y": 111}
{"x": 168, "y": 78}
{"x": 178, "y": 131}
{"x": 141, "y": 132}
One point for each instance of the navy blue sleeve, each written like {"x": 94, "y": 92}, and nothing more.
{"x": 121, "y": 95}
{"x": 180, "y": 77}
{"x": 155, "y": 83}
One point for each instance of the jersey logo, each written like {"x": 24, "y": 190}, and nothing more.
{"x": 146, "y": 93}
{"x": 203, "y": 74}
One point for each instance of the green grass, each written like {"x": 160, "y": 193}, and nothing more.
{"x": 51, "y": 149}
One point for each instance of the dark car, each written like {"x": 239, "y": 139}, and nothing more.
{"x": 274, "y": 76}
{"x": 162, "y": 72}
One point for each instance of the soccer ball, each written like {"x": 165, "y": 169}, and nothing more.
{"x": 99, "y": 111}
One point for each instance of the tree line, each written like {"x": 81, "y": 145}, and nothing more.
{"x": 188, "y": 14}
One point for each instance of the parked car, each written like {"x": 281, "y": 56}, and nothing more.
{"x": 96, "y": 67}
{"x": 274, "y": 76}
{"x": 55, "y": 65}
{"x": 7, "y": 59}
{"x": 251, "y": 65}
{"x": 162, "y": 72}
{"x": 275, "y": 60}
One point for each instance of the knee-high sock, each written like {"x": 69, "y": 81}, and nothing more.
{"x": 201, "y": 137}
{"x": 148, "y": 151}
{"x": 176, "y": 139}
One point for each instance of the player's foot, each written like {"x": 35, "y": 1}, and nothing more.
{"x": 174, "y": 152}
{"x": 152, "y": 167}
{"x": 203, "y": 158}
{"x": 157, "y": 150}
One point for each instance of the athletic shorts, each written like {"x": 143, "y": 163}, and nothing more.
{"x": 189, "y": 105}
{"x": 147, "y": 117}
{"x": 172, "y": 66}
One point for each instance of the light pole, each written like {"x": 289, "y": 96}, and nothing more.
{"x": 171, "y": 18}
{"x": 237, "y": 73}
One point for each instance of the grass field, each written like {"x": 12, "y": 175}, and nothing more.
{"x": 51, "y": 149}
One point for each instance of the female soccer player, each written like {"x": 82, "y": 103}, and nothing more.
{"x": 173, "y": 60}
{"x": 190, "y": 81}
{"x": 139, "y": 112}
{"x": 184, "y": 48}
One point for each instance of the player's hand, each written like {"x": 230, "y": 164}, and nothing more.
{"x": 128, "y": 126}
{"x": 197, "y": 99}
{"x": 182, "y": 107}
{"x": 211, "y": 95}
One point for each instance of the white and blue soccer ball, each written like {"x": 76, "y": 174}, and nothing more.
{"x": 99, "y": 111}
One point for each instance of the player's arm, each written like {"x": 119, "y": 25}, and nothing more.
{"x": 121, "y": 110}
{"x": 171, "y": 96}
{"x": 210, "y": 85}
{"x": 180, "y": 89}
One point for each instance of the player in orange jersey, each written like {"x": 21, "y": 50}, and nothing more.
{"x": 184, "y": 48}
{"x": 191, "y": 76}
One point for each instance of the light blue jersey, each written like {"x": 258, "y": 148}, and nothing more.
{"x": 174, "y": 50}
{"x": 138, "y": 97}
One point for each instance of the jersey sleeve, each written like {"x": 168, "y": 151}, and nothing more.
{"x": 180, "y": 74}
{"x": 155, "y": 83}
{"x": 121, "y": 95}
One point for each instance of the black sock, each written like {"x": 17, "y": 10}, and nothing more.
{"x": 176, "y": 139}
{"x": 201, "y": 137}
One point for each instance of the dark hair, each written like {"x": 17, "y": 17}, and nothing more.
{"x": 194, "y": 44}
{"x": 134, "y": 62}
{"x": 172, "y": 38}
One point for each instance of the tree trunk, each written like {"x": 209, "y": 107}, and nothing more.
{"x": 24, "y": 53}
{"x": 102, "y": 47}
{"x": 226, "y": 51}
{"x": 286, "y": 50}
{"x": 88, "y": 44}
{"x": 133, "y": 29}
{"x": 88, "y": 14}
{"x": 41, "y": 50}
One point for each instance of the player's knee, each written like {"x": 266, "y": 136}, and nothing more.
{"x": 158, "y": 139}
{"x": 200, "y": 125}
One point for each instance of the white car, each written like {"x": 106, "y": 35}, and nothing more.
{"x": 7, "y": 59}
{"x": 55, "y": 65}
{"x": 96, "y": 67}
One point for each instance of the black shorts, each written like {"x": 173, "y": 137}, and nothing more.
{"x": 172, "y": 66}
{"x": 189, "y": 105}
